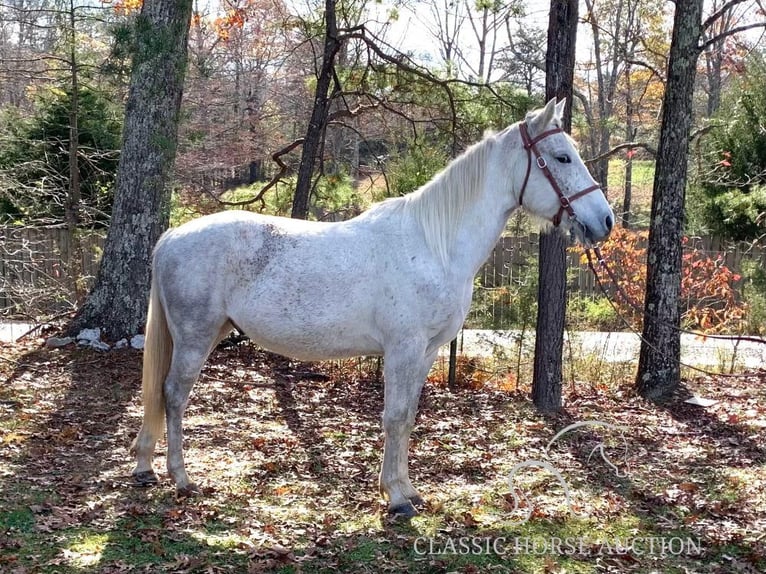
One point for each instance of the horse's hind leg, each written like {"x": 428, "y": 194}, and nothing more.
{"x": 143, "y": 449}
{"x": 188, "y": 359}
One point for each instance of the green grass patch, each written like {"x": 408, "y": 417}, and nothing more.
{"x": 18, "y": 519}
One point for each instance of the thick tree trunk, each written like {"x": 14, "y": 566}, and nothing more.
{"x": 549, "y": 342}
{"x": 140, "y": 214}
{"x": 659, "y": 371}
{"x": 313, "y": 140}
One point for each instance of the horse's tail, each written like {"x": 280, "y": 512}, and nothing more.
{"x": 158, "y": 350}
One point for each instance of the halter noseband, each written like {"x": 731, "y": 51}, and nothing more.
{"x": 530, "y": 144}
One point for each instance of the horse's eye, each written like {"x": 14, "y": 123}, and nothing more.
{"x": 563, "y": 158}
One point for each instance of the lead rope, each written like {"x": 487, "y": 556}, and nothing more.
{"x": 602, "y": 263}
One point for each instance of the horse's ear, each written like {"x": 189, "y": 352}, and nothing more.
{"x": 560, "y": 109}
{"x": 541, "y": 119}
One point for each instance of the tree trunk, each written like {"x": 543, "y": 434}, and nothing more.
{"x": 659, "y": 371}
{"x": 715, "y": 77}
{"x": 601, "y": 133}
{"x": 141, "y": 208}
{"x": 72, "y": 203}
{"x": 630, "y": 134}
{"x": 627, "y": 193}
{"x": 549, "y": 342}
{"x": 313, "y": 140}
{"x": 600, "y": 168}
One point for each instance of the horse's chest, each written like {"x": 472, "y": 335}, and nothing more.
{"x": 438, "y": 308}
{"x": 455, "y": 305}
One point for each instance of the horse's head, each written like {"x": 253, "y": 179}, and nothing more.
{"x": 556, "y": 185}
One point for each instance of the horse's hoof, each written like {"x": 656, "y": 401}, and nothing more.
{"x": 145, "y": 478}
{"x": 405, "y": 510}
{"x": 417, "y": 501}
{"x": 188, "y": 491}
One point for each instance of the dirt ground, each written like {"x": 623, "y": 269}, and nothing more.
{"x": 287, "y": 455}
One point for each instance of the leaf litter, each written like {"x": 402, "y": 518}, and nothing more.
{"x": 287, "y": 455}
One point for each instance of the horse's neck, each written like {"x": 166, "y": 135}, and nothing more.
{"x": 480, "y": 229}
{"x": 463, "y": 210}
{"x": 484, "y": 218}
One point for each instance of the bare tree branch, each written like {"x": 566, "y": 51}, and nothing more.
{"x": 283, "y": 169}
{"x": 622, "y": 146}
{"x": 732, "y": 32}
{"x": 722, "y": 11}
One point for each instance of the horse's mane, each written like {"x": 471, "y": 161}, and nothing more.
{"x": 440, "y": 203}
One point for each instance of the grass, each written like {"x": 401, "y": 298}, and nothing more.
{"x": 287, "y": 455}
{"x": 641, "y": 196}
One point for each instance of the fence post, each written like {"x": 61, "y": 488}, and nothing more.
{"x": 452, "y": 373}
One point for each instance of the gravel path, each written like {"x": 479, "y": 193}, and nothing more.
{"x": 623, "y": 347}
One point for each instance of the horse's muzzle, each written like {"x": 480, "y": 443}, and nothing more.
{"x": 589, "y": 235}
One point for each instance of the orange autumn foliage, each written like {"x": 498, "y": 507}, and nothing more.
{"x": 235, "y": 16}
{"x": 710, "y": 302}
{"x": 233, "y": 19}
{"x": 124, "y": 6}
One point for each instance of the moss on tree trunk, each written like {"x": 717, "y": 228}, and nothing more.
{"x": 659, "y": 367}
{"x": 118, "y": 300}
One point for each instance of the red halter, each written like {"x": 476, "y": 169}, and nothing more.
{"x": 530, "y": 144}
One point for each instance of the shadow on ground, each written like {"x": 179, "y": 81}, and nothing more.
{"x": 288, "y": 455}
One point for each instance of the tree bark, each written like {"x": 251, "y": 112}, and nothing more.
{"x": 659, "y": 367}
{"x": 630, "y": 134}
{"x": 72, "y": 204}
{"x": 714, "y": 66}
{"x": 118, "y": 301}
{"x": 318, "y": 122}
{"x": 549, "y": 341}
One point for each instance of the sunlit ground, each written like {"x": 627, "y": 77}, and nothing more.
{"x": 287, "y": 457}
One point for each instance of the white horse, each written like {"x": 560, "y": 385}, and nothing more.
{"x": 395, "y": 281}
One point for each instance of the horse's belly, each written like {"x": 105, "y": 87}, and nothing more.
{"x": 312, "y": 344}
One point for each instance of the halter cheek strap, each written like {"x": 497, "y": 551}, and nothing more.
{"x": 530, "y": 144}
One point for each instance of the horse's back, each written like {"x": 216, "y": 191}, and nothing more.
{"x": 231, "y": 239}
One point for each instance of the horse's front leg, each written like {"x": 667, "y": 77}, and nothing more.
{"x": 405, "y": 369}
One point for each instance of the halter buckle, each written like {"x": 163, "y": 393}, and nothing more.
{"x": 541, "y": 163}
{"x": 565, "y": 203}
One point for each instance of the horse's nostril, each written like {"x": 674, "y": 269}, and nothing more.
{"x": 609, "y": 222}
